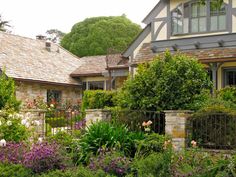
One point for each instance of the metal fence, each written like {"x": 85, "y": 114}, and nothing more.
{"x": 62, "y": 120}
{"x": 135, "y": 118}
{"x": 213, "y": 131}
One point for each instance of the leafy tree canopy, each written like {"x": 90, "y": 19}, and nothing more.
{"x": 55, "y": 35}
{"x": 94, "y": 36}
{"x": 167, "y": 83}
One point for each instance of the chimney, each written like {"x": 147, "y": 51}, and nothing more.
{"x": 48, "y": 45}
{"x": 41, "y": 37}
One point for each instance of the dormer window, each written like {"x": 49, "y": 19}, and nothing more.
{"x": 196, "y": 17}
{"x": 218, "y": 17}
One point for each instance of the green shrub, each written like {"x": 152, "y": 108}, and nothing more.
{"x": 152, "y": 143}
{"x": 62, "y": 138}
{"x": 167, "y": 83}
{"x": 97, "y": 99}
{"x": 75, "y": 172}
{"x": 228, "y": 94}
{"x": 12, "y": 170}
{"x": 56, "y": 122}
{"x": 7, "y": 93}
{"x": 202, "y": 164}
{"x": 105, "y": 134}
{"x": 11, "y": 128}
{"x": 154, "y": 165}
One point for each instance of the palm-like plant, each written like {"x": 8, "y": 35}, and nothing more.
{"x": 3, "y": 24}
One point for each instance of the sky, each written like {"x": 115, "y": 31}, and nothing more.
{"x": 33, "y": 17}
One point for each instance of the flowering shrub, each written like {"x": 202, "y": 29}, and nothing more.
{"x": 111, "y": 162}
{"x": 37, "y": 103}
{"x": 43, "y": 157}
{"x": 12, "y": 129}
{"x": 13, "y": 152}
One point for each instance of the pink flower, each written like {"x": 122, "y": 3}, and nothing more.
{"x": 193, "y": 143}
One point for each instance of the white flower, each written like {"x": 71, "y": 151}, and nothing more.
{"x": 40, "y": 139}
{"x": 10, "y": 116}
{"x": 3, "y": 143}
{"x": 27, "y": 124}
{"x": 52, "y": 105}
{"x": 36, "y": 122}
{"x": 23, "y": 122}
{"x": 9, "y": 123}
{"x": 0, "y": 123}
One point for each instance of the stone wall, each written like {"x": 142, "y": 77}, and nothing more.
{"x": 93, "y": 115}
{"x": 28, "y": 91}
{"x": 176, "y": 127}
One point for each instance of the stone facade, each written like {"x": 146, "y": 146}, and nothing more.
{"x": 176, "y": 125}
{"x": 28, "y": 91}
{"x": 93, "y": 115}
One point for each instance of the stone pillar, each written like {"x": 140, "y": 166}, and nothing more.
{"x": 93, "y": 115}
{"x": 176, "y": 124}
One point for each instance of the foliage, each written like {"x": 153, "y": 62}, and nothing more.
{"x": 169, "y": 82}
{"x": 11, "y": 127}
{"x": 94, "y": 36}
{"x": 75, "y": 172}
{"x": 152, "y": 143}
{"x": 36, "y": 103}
{"x": 228, "y": 94}
{"x": 199, "y": 164}
{"x": 57, "y": 121}
{"x": 154, "y": 165}
{"x": 4, "y": 24}
{"x": 62, "y": 138}
{"x": 55, "y": 35}
{"x": 44, "y": 157}
{"x": 13, "y": 153}
{"x": 97, "y": 99}
{"x": 14, "y": 170}
{"x": 111, "y": 162}
{"x": 105, "y": 134}
{"x": 7, "y": 93}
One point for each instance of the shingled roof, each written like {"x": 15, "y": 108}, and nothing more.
{"x": 96, "y": 65}
{"x": 204, "y": 55}
{"x": 28, "y": 59}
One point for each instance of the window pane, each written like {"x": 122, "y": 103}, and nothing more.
{"x": 194, "y": 10}
{"x": 186, "y": 27}
{"x": 230, "y": 78}
{"x": 96, "y": 85}
{"x": 194, "y": 25}
{"x": 222, "y": 22}
{"x": 180, "y": 26}
{"x": 174, "y": 26}
{"x": 202, "y": 10}
{"x": 202, "y": 24}
{"x": 214, "y": 23}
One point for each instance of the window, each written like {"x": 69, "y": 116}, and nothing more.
{"x": 196, "y": 17}
{"x": 217, "y": 17}
{"x": 230, "y": 77}
{"x": 177, "y": 20}
{"x": 53, "y": 96}
{"x": 93, "y": 85}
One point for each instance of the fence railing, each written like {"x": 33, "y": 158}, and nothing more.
{"x": 213, "y": 131}
{"x": 62, "y": 120}
{"x": 134, "y": 119}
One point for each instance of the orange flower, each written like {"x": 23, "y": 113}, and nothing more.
{"x": 144, "y": 124}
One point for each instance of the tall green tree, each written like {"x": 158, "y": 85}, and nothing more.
{"x": 7, "y": 93}
{"x": 94, "y": 36}
{"x": 167, "y": 83}
{"x": 3, "y": 24}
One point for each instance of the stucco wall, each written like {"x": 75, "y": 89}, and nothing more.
{"x": 29, "y": 91}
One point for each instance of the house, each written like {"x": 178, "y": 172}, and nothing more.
{"x": 102, "y": 72}
{"x": 41, "y": 68}
{"x": 204, "y": 31}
